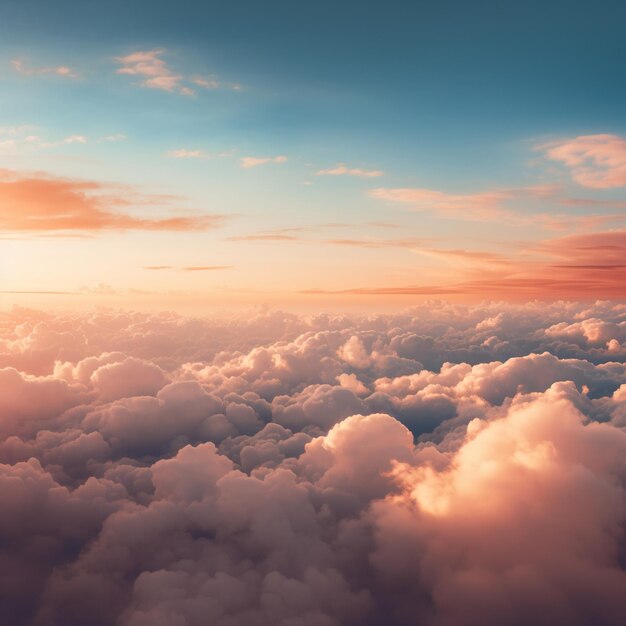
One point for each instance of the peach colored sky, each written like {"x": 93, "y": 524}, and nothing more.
{"x": 174, "y": 203}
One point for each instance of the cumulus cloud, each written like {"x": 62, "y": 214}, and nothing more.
{"x": 446, "y": 465}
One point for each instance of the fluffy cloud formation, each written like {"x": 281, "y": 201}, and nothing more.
{"x": 446, "y": 465}
{"x": 596, "y": 161}
{"x": 36, "y": 202}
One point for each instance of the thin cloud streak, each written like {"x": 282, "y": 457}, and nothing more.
{"x": 342, "y": 170}
{"x": 495, "y": 276}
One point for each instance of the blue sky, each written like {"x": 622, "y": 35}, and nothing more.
{"x": 455, "y": 97}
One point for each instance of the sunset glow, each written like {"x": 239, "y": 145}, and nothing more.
{"x": 312, "y": 314}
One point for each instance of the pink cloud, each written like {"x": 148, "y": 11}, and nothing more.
{"x": 596, "y": 161}
{"x": 487, "y": 205}
{"x": 153, "y": 71}
{"x": 248, "y": 162}
{"x": 270, "y": 468}
{"x": 187, "y": 154}
{"x": 342, "y": 170}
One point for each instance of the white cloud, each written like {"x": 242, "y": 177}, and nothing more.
{"x": 248, "y": 162}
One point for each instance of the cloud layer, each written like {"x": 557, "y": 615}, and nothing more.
{"x": 446, "y": 466}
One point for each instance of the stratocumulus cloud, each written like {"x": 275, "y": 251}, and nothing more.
{"x": 446, "y": 465}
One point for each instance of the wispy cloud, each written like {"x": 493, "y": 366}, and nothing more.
{"x": 182, "y": 153}
{"x": 487, "y": 205}
{"x": 378, "y": 243}
{"x": 595, "y": 161}
{"x": 152, "y": 70}
{"x": 342, "y": 170}
{"x": 155, "y": 73}
{"x": 213, "y": 82}
{"x": 115, "y": 137}
{"x": 266, "y": 237}
{"x": 248, "y": 162}
{"x": 189, "y": 268}
{"x": 40, "y": 203}
{"x": 23, "y": 68}
{"x": 590, "y": 266}
{"x": 75, "y": 139}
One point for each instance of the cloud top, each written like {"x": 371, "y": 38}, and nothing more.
{"x": 446, "y": 465}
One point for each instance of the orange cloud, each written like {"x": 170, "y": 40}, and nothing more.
{"x": 265, "y": 237}
{"x": 596, "y": 161}
{"x": 38, "y": 202}
{"x": 474, "y": 206}
{"x": 593, "y": 266}
{"x": 378, "y": 243}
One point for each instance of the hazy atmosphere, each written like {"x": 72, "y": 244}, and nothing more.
{"x": 312, "y": 314}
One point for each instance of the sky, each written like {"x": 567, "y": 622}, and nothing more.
{"x": 310, "y": 155}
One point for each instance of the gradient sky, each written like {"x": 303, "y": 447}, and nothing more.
{"x": 189, "y": 155}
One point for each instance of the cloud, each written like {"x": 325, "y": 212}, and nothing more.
{"x": 40, "y": 203}
{"x": 589, "y": 265}
{"x": 152, "y": 70}
{"x": 115, "y": 137}
{"x": 488, "y": 205}
{"x": 248, "y": 162}
{"x": 75, "y": 139}
{"x": 378, "y": 243}
{"x": 60, "y": 70}
{"x": 265, "y": 237}
{"x": 342, "y": 170}
{"x": 213, "y": 82}
{"x": 155, "y": 73}
{"x": 446, "y": 465}
{"x": 595, "y": 161}
{"x": 187, "y": 154}
{"x": 528, "y": 498}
